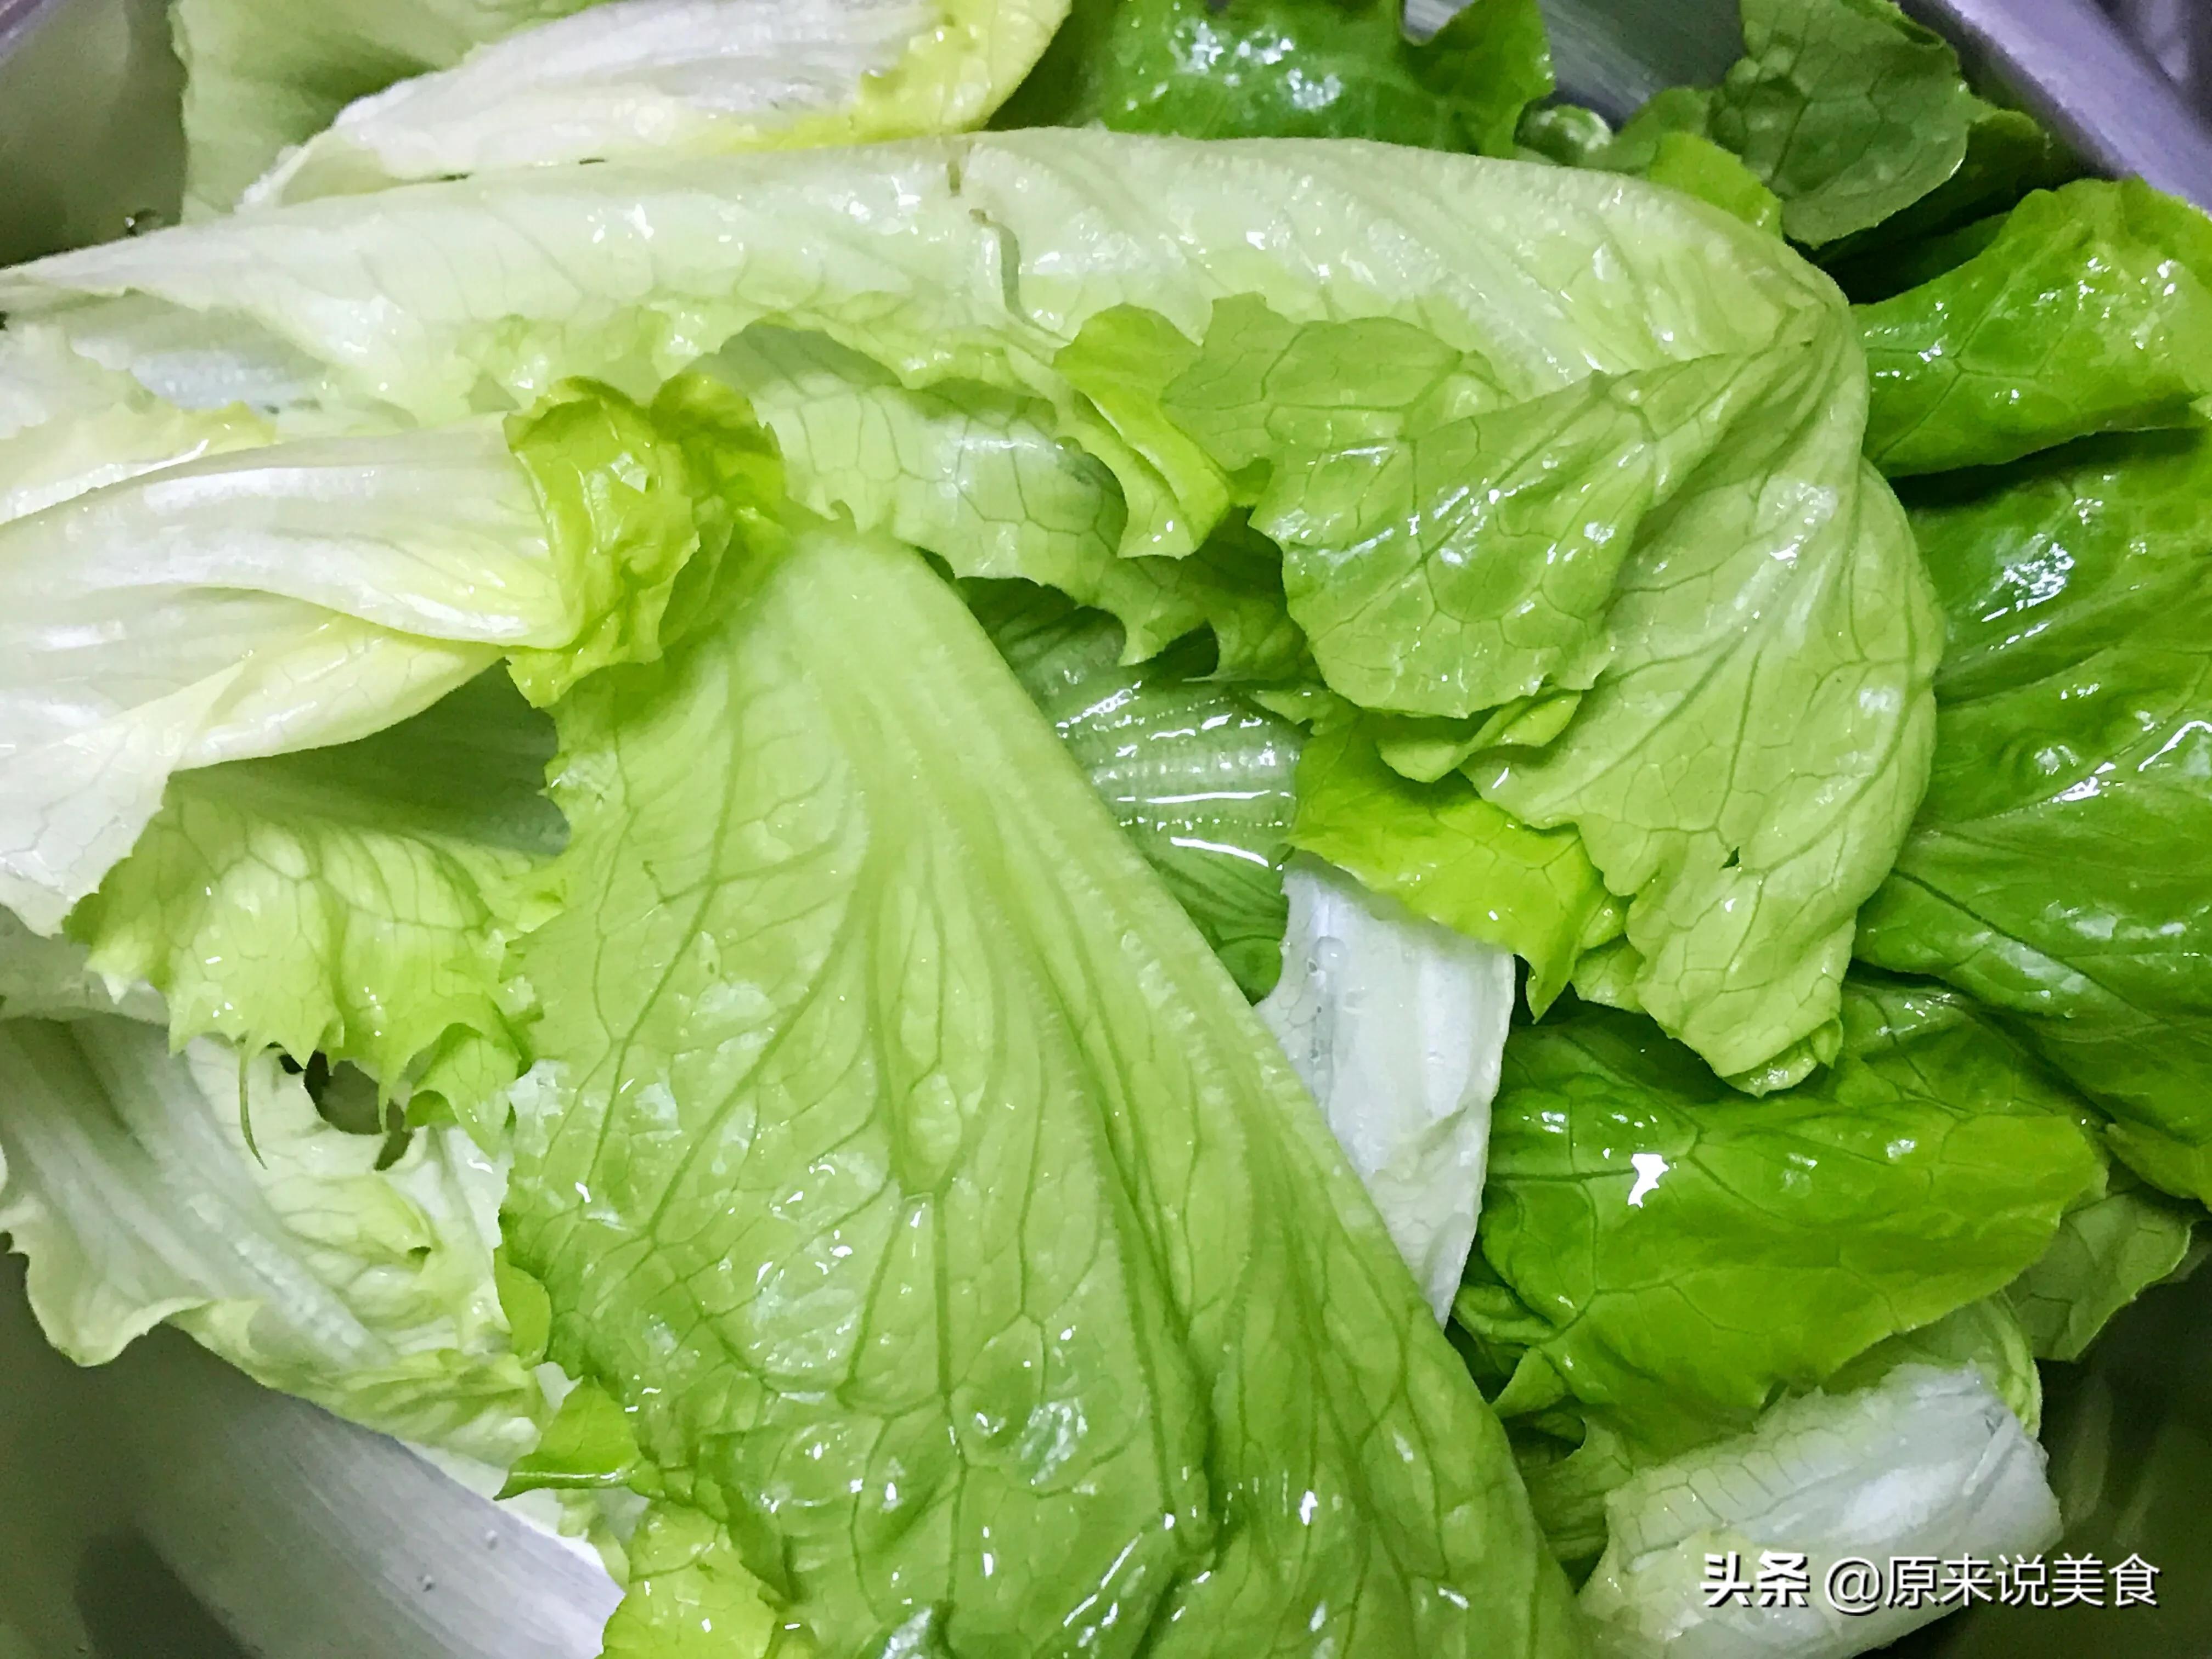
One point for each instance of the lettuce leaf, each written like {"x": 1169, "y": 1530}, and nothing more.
{"x": 1397, "y": 1025}
{"x": 982, "y": 259}
{"x": 1448, "y": 855}
{"x": 1927, "y": 1463}
{"x": 957, "y": 1239}
{"x": 308, "y": 1257}
{"x": 2058, "y": 870}
{"x": 262, "y": 75}
{"x": 1292, "y": 69}
{"x": 642, "y": 78}
{"x": 354, "y": 901}
{"x": 2089, "y": 312}
{"x": 1682, "y": 1255}
{"x": 1199, "y": 778}
{"x": 2108, "y": 1251}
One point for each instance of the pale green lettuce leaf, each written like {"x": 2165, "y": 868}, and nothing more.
{"x": 638, "y": 79}
{"x": 957, "y": 1237}
{"x": 1397, "y": 1026}
{"x": 354, "y": 901}
{"x": 1682, "y": 1255}
{"x": 262, "y": 75}
{"x": 1928, "y": 1462}
{"x": 1448, "y": 855}
{"x": 909, "y": 254}
{"x": 67, "y": 425}
{"x": 977, "y": 475}
{"x": 2109, "y": 1250}
{"x": 44, "y": 977}
{"x": 131, "y": 1186}
{"x": 1201, "y": 779}
{"x": 2088, "y": 313}
{"x": 244, "y": 605}
{"x": 2060, "y": 869}
{"x": 981, "y": 259}
{"x": 691, "y": 1597}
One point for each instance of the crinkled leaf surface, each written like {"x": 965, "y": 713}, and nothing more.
{"x": 2110, "y": 1250}
{"x": 1692, "y": 1254}
{"x": 354, "y": 901}
{"x": 1292, "y": 69}
{"x": 1848, "y": 110}
{"x": 2088, "y": 313}
{"x": 1445, "y": 852}
{"x": 956, "y": 1235}
{"x": 1774, "y": 612}
{"x": 1200, "y": 778}
{"x": 127, "y": 1180}
{"x": 2059, "y": 868}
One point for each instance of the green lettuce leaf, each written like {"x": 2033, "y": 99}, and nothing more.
{"x": 957, "y": 1238}
{"x": 1450, "y": 551}
{"x": 2088, "y": 313}
{"x": 310, "y": 1258}
{"x": 2109, "y": 1250}
{"x": 1683, "y": 1255}
{"x": 1293, "y": 69}
{"x": 1847, "y": 109}
{"x": 691, "y": 1597}
{"x": 354, "y": 901}
{"x": 1448, "y": 855}
{"x": 1199, "y": 779}
{"x": 1927, "y": 1463}
{"x": 1855, "y": 125}
{"x": 647, "y": 78}
{"x": 1777, "y": 612}
{"x": 2059, "y": 870}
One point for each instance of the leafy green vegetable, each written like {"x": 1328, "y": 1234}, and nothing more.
{"x": 1928, "y": 1463}
{"x": 1852, "y": 120}
{"x": 1397, "y": 1026}
{"x": 1450, "y": 552}
{"x": 1447, "y": 853}
{"x": 691, "y": 1597}
{"x": 2088, "y": 313}
{"x": 654, "y": 79}
{"x": 1693, "y": 164}
{"x": 1847, "y": 109}
{"x": 975, "y": 474}
{"x": 354, "y": 901}
{"x": 1199, "y": 779}
{"x": 1478, "y": 561}
{"x": 1689, "y": 1255}
{"x": 2108, "y": 1251}
{"x": 2059, "y": 869}
{"x": 262, "y": 75}
{"x": 955, "y": 1235}
{"x": 302, "y": 1256}
{"x": 1752, "y": 752}
{"x": 1985, "y": 1334}
{"x": 1293, "y": 69}
{"x": 253, "y": 602}
{"x": 68, "y": 425}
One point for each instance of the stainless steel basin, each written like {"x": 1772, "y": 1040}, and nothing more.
{"x": 165, "y": 1507}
